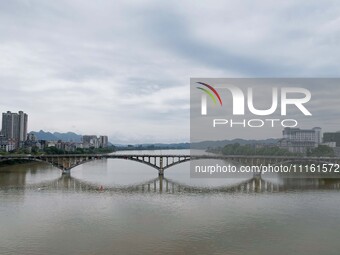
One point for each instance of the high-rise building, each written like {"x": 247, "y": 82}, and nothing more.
{"x": 14, "y": 126}
{"x": 103, "y": 141}
{"x": 10, "y": 125}
{"x": 23, "y": 118}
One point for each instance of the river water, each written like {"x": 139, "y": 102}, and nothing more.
{"x": 117, "y": 206}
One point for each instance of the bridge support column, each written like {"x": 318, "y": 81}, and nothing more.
{"x": 257, "y": 175}
{"x": 161, "y": 169}
{"x": 66, "y": 172}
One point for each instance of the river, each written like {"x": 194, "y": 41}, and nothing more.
{"x": 117, "y": 206}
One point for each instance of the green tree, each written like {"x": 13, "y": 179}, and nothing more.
{"x": 321, "y": 151}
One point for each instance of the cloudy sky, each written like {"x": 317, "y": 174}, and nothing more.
{"x": 123, "y": 68}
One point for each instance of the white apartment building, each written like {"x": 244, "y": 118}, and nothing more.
{"x": 300, "y": 140}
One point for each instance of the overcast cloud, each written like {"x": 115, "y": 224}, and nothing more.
{"x": 122, "y": 68}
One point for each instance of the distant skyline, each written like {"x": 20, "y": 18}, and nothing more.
{"x": 123, "y": 68}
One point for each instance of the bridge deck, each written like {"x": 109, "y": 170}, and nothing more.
{"x": 162, "y": 161}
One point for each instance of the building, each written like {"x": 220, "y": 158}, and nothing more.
{"x": 23, "y": 119}
{"x": 10, "y": 125}
{"x": 298, "y": 140}
{"x": 95, "y": 142}
{"x": 32, "y": 142}
{"x": 90, "y": 141}
{"x": 14, "y": 127}
{"x": 68, "y": 146}
{"x": 31, "y": 137}
{"x": 89, "y": 138}
{"x": 6, "y": 144}
{"x": 303, "y": 135}
{"x": 332, "y": 137}
{"x": 103, "y": 141}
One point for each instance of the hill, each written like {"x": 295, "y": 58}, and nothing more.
{"x": 65, "y": 137}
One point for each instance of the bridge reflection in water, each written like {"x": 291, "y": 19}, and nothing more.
{"x": 165, "y": 185}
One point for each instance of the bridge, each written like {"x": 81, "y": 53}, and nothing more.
{"x": 160, "y": 162}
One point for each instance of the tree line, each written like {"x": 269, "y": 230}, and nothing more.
{"x": 248, "y": 149}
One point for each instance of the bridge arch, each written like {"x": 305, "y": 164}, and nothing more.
{"x": 143, "y": 162}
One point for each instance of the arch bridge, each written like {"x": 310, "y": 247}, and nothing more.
{"x": 161, "y": 162}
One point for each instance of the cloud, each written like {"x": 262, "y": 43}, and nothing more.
{"x": 123, "y": 68}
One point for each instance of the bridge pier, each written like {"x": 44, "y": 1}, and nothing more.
{"x": 66, "y": 172}
{"x": 257, "y": 175}
{"x": 161, "y": 169}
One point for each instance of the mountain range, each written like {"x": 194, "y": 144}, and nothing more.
{"x": 65, "y": 137}
{"x": 73, "y": 137}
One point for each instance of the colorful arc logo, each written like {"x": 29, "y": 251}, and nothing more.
{"x": 209, "y": 92}
{"x": 212, "y": 93}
